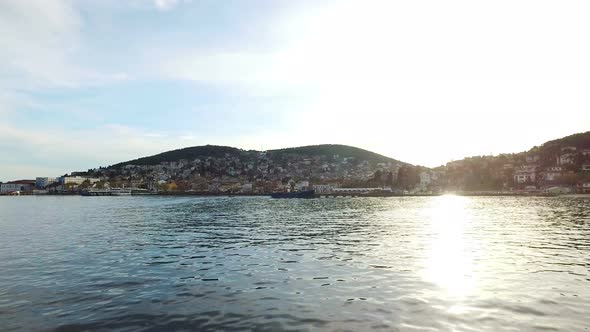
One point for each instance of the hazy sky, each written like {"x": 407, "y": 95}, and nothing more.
{"x": 89, "y": 83}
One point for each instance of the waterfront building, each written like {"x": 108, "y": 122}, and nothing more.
{"x": 247, "y": 188}
{"x": 42, "y": 182}
{"x": 583, "y": 187}
{"x": 355, "y": 190}
{"x": 20, "y": 185}
{"x": 323, "y": 188}
{"x": 302, "y": 185}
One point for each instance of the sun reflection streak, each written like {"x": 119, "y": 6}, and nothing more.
{"x": 449, "y": 262}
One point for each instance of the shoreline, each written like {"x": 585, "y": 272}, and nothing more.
{"x": 326, "y": 195}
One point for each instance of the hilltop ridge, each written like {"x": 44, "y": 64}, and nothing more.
{"x": 562, "y": 162}
{"x": 217, "y": 151}
{"x": 183, "y": 153}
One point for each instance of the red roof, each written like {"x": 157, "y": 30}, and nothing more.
{"x": 32, "y": 182}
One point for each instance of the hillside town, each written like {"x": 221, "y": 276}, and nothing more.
{"x": 550, "y": 169}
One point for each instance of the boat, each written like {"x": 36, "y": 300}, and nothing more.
{"x": 95, "y": 192}
{"x": 294, "y": 194}
{"x": 106, "y": 192}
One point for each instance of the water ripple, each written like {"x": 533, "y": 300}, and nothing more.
{"x": 253, "y": 263}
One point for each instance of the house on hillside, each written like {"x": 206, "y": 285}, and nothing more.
{"x": 525, "y": 174}
{"x": 551, "y": 173}
{"x": 566, "y": 158}
{"x": 77, "y": 180}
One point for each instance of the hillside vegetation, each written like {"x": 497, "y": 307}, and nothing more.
{"x": 343, "y": 151}
{"x": 216, "y": 151}
{"x": 559, "y": 162}
{"x": 190, "y": 153}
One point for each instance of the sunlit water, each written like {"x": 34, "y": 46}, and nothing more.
{"x": 182, "y": 263}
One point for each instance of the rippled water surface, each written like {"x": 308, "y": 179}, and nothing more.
{"x": 252, "y": 263}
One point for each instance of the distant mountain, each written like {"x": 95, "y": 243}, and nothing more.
{"x": 216, "y": 151}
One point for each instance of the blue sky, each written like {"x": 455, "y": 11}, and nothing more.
{"x": 90, "y": 83}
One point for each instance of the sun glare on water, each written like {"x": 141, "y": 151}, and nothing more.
{"x": 449, "y": 262}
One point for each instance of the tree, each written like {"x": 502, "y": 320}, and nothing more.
{"x": 408, "y": 177}
{"x": 389, "y": 181}
{"x": 85, "y": 184}
{"x": 377, "y": 176}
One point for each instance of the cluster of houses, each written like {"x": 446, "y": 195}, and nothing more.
{"x": 255, "y": 173}
{"x": 44, "y": 185}
{"x": 565, "y": 174}
{"x": 567, "y": 171}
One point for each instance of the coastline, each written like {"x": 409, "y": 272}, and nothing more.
{"x": 323, "y": 195}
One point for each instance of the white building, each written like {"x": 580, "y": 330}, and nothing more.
{"x": 566, "y": 159}
{"x": 42, "y": 182}
{"x": 21, "y": 185}
{"x": 426, "y": 177}
{"x": 247, "y": 188}
{"x": 525, "y": 174}
{"x": 302, "y": 185}
{"x": 76, "y": 180}
{"x": 552, "y": 173}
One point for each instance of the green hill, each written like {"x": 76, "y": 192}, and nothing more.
{"x": 330, "y": 150}
{"x": 579, "y": 141}
{"x": 189, "y": 153}
{"x": 217, "y": 151}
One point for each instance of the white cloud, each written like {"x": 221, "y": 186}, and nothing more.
{"x": 453, "y": 78}
{"x": 44, "y": 45}
{"x": 81, "y": 149}
{"x": 379, "y": 41}
{"x": 166, "y": 4}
